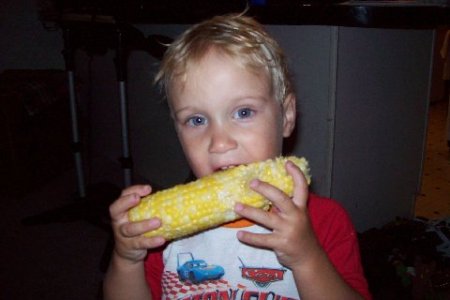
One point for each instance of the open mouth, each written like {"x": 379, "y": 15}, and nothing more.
{"x": 227, "y": 167}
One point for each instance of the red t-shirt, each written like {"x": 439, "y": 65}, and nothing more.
{"x": 334, "y": 231}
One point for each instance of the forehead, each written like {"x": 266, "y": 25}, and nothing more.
{"x": 218, "y": 65}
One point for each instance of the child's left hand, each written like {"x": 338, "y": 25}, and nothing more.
{"x": 292, "y": 237}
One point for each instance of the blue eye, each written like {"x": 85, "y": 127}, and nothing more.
{"x": 196, "y": 121}
{"x": 244, "y": 113}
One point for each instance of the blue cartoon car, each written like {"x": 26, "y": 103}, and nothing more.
{"x": 197, "y": 270}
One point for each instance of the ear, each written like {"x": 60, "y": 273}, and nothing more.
{"x": 289, "y": 114}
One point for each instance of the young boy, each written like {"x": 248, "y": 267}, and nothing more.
{"x": 232, "y": 103}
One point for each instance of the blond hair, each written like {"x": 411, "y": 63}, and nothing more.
{"x": 240, "y": 37}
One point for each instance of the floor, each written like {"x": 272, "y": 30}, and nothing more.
{"x": 61, "y": 254}
{"x": 433, "y": 201}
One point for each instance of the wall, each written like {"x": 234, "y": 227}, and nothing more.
{"x": 26, "y": 44}
{"x": 157, "y": 156}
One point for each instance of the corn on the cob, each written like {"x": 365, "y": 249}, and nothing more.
{"x": 209, "y": 201}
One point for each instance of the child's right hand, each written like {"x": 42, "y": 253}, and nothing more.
{"x": 130, "y": 244}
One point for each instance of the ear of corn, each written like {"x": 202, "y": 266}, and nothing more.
{"x": 209, "y": 201}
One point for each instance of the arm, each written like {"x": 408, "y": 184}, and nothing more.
{"x": 318, "y": 279}
{"x": 125, "y": 278}
{"x": 294, "y": 242}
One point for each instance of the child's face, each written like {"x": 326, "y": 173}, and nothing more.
{"x": 226, "y": 116}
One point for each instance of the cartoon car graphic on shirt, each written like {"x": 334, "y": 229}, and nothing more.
{"x": 261, "y": 277}
{"x": 197, "y": 270}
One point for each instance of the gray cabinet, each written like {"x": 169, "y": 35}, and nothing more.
{"x": 363, "y": 100}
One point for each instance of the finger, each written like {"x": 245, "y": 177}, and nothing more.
{"x": 139, "y": 189}
{"x": 267, "y": 219}
{"x": 152, "y": 242}
{"x": 300, "y": 192}
{"x": 259, "y": 240}
{"x": 278, "y": 198}
{"x": 255, "y": 214}
{"x": 129, "y": 248}
{"x": 139, "y": 228}
{"x": 121, "y": 206}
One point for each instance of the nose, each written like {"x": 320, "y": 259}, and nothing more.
{"x": 221, "y": 140}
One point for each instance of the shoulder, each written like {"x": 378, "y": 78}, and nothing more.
{"x": 338, "y": 238}
{"x": 329, "y": 220}
{"x": 325, "y": 208}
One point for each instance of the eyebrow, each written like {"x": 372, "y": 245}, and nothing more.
{"x": 182, "y": 109}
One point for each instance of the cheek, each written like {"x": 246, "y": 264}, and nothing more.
{"x": 188, "y": 144}
{"x": 183, "y": 140}
{"x": 267, "y": 139}
{"x": 191, "y": 147}
{"x": 276, "y": 135}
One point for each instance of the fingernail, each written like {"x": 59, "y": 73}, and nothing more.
{"x": 136, "y": 198}
{"x": 238, "y": 207}
{"x": 254, "y": 183}
{"x": 159, "y": 240}
{"x": 154, "y": 222}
